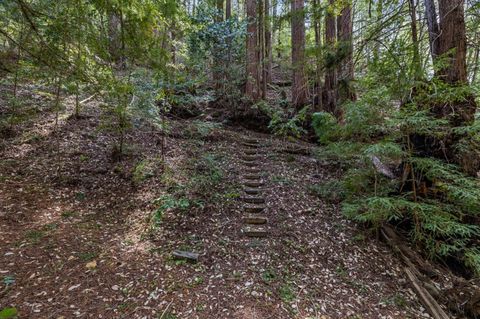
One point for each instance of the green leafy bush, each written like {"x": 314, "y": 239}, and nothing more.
{"x": 325, "y": 126}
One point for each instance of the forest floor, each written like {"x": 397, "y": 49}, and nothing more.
{"x": 77, "y": 237}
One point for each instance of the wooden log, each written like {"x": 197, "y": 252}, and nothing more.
{"x": 463, "y": 298}
{"x": 186, "y": 255}
{"x": 427, "y": 300}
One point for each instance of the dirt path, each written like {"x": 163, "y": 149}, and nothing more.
{"x": 78, "y": 240}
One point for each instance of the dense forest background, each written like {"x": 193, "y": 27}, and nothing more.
{"x": 386, "y": 89}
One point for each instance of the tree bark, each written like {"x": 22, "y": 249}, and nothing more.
{"x": 318, "y": 65}
{"x": 299, "y": 82}
{"x": 329, "y": 94}
{"x": 251, "y": 87}
{"x": 433, "y": 28}
{"x": 345, "y": 67}
{"x": 416, "y": 63}
{"x": 453, "y": 41}
{"x": 228, "y": 9}
{"x": 114, "y": 38}
{"x": 268, "y": 42}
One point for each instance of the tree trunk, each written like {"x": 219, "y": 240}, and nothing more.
{"x": 318, "y": 65}
{"x": 345, "y": 67}
{"x": 299, "y": 82}
{"x": 268, "y": 42}
{"x": 433, "y": 28}
{"x": 114, "y": 38}
{"x": 416, "y": 63}
{"x": 261, "y": 49}
{"x": 329, "y": 94}
{"x": 476, "y": 61}
{"x": 218, "y": 58}
{"x": 458, "y": 110}
{"x": 376, "y": 45}
{"x": 251, "y": 87}
{"x": 453, "y": 41}
{"x": 228, "y": 9}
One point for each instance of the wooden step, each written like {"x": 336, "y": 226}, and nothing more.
{"x": 251, "y": 145}
{"x": 255, "y": 220}
{"x": 251, "y": 151}
{"x": 254, "y": 209}
{"x": 250, "y": 158}
{"x": 253, "y": 184}
{"x": 254, "y": 200}
{"x": 251, "y": 140}
{"x": 252, "y": 170}
{"x": 255, "y": 231}
{"x": 252, "y": 177}
{"x": 250, "y": 164}
{"x": 253, "y": 191}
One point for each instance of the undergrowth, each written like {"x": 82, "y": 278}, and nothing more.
{"x": 389, "y": 180}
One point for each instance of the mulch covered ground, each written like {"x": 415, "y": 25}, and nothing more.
{"x": 78, "y": 240}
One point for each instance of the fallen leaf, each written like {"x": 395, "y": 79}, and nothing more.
{"x": 91, "y": 265}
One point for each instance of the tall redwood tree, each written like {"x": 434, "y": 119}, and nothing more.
{"x": 330, "y": 92}
{"x": 299, "y": 81}
{"x": 253, "y": 76}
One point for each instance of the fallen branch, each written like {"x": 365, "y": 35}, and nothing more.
{"x": 463, "y": 298}
{"x": 88, "y": 99}
{"x": 427, "y": 300}
{"x": 382, "y": 168}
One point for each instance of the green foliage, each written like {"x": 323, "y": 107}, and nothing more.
{"x": 286, "y": 293}
{"x": 143, "y": 170}
{"x": 325, "y": 126}
{"x": 207, "y": 175}
{"x": 332, "y": 191}
{"x": 284, "y": 126}
{"x": 202, "y": 130}
{"x": 168, "y": 202}
{"x": 433, "y": 199}
{"x": 8, "y": 313}
{"x": 217, "y": 47}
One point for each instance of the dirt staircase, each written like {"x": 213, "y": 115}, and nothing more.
{"x": 255, "y": 222}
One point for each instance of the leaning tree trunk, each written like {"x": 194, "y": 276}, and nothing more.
{"x": 299, "y": 82}
{"x": 251, "y": 87}
{"x": 330, "y": 93}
